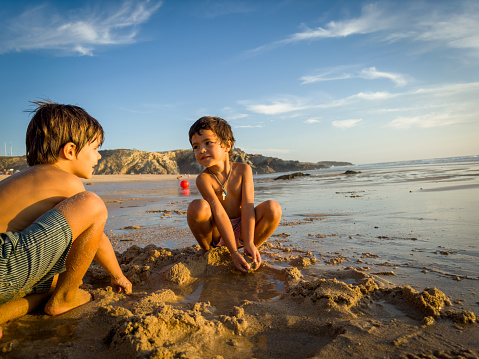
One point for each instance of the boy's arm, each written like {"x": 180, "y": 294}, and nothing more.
{"x": 247, "y": 213}
{"x": 222, "y": 221}
{"x": 105, "y": 256}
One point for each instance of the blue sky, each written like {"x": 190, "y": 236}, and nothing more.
{"x": 307, "y": 80}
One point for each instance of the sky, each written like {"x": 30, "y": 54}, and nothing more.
{"x": 307, "y": 80}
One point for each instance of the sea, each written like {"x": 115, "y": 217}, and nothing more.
{"x": 417, "y": 222}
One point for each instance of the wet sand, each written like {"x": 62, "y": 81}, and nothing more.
{"x": 321, "y": 297}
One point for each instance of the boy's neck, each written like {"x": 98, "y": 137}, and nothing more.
{"x": 60, "y": 165}
{"x": 222, "y": 168}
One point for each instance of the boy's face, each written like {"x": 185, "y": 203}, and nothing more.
{"x": 208, "y": 148}
{"x": 86, "y": 159}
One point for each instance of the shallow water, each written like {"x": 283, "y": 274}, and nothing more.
{"x": 417, "y": 219}
{"x": 262, "y": 286}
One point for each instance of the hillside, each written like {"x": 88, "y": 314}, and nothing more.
{"x": 123, "y": 161}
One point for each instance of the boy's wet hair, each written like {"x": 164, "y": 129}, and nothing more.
{"x": 53, "y": 126}
{"x": 218, "y": 126}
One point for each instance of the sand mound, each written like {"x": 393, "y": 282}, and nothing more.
{"x": 430, "y": 301}
{"x": 328, "y": 293}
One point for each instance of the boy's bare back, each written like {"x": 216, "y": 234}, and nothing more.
{"x": 26, "y": 195}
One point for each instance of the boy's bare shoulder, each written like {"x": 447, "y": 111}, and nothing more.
{"x": 32, "y": 192}
{"x": 67, "y": 181}
{"x": 46, "y": 179}
{"x": 242, "y": 167}
{"x": 202, "y": 176}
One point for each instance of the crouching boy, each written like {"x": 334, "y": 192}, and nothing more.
{"x": 226, "y": 215}
{"x": 50, "y": 227}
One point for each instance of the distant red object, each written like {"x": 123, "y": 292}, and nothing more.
{"x": 184, "y": 184}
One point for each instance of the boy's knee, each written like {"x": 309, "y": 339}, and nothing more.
{"x": 88, "y": 202}
{"x": 96, "y": 205}
{"x": 199, "y": 208}
{"x": 92, "y": 201}
{"x": 274, "y": 208}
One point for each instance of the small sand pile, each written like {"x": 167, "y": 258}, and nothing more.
{"x": 328, "y": 293}
{"x": 169, "y": 332}
{"x": 430, "y": 301}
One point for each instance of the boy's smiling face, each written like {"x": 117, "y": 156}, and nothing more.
{"x": 208, "y": 148}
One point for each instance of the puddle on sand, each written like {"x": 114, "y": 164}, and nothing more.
{"x": 40, "y": 328}
{"x": 290, "y": 345}
{"x": 223, "y": 291}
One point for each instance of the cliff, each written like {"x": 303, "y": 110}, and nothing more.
{"x": 13, "y": 163}
{"x": 124, "y": 161}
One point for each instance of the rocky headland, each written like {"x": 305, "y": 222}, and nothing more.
{"x": 125, "y": 161}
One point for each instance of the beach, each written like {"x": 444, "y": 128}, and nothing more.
{"x": 379, "y": 263}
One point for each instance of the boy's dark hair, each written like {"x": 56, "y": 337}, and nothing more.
{"x": 218, "y": 126}
{"x": 53, "y": 126}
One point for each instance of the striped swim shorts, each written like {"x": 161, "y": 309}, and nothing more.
{"x": 31, "y": 258}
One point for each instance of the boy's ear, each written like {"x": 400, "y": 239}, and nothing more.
{"x": 228, "y": 146}
{"x": 68, "y": 151}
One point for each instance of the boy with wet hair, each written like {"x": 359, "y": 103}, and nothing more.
{"x": 226, "y": 215}
{"x": 50, "y": 227}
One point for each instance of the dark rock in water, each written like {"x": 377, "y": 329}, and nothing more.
{"x": 349, "y": 172}
{"x": 291, "y": 176}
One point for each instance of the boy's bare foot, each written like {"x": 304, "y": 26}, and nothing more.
{"x": 55, "y": 306}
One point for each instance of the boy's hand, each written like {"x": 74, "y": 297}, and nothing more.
{"x": 239, "y": 262}
{"x": 121, "y": 283}
{"x": 254, "y": 253}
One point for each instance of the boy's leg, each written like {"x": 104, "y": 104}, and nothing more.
{"x": 19, "y": 307}
{"x": 200, "y": 221}
{"x": 86, "y": 215}
{"x": 267, "y": 216}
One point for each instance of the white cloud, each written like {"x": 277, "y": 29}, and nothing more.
{"x": 424, "y": 121}
{"x": 438, "y": 24}
{"x": 371, "y": 20}
{"x": 330, "y": 75}
{"x": 447, "y": 90}
{"x": 457, "y": 98}
{"x": 273, "y": 109}
{"x": 370, "y": 73}
{"x": 346, "y": 123}
{"x": 380, "y": 95}
{"x": 278, "y": 106}
{"x": 456, "y": 30}
{"x": 43, "y": 27}
{"x": 292, "y": 104}
{"x": 230, "y": 114}
{"x": 312, "y": 120}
